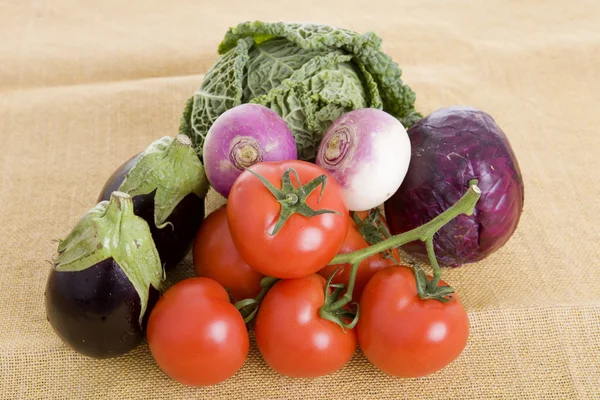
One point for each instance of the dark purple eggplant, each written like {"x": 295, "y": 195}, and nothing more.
{"x": 105, "y": 281}
{"x": 95, "y": 310}
{"x": 175, "y": 170}
{"x": 116, "y": 179}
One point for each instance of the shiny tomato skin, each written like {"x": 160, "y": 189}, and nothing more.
{"x": 366, "y": 269}
{"x": 196, "y": 336}
{"x": 291, "y": 336}
{"x": 303, "y": 245}
{"x": 403, "y": 335}
{"x": 216, "y": 257}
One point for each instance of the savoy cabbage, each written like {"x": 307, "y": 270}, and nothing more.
{"x": 309, "y": 74}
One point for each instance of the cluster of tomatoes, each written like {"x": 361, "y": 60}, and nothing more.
{"x": 267, "y": 254}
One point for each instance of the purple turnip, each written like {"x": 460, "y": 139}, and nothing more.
{"x": 241, "y": 137}
{"x": 367, "y": 151}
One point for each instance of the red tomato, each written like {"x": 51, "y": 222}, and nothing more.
{"x": 366, "y": 269}
{"x": 403, "y": 335}
{"x": 196, "y": 336}
{"x": 291, "y": 336}
{"x": 304, "y": 244}
{"x": 215, "y": 257}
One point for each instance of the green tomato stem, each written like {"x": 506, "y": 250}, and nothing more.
{"x": 330, "y": 312}
{"x": 373, "y": 230}
{"x": 345, "y": 299}
{"x": 293, "y": 199}
{"x": 266, "y": 284}
{"x": 437, "y": 272}
{"x": 424, "y": 233}
{"x": 249, "y": 307}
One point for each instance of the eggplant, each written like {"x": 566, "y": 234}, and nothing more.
{"x": 94, "y": 310}
{"x": 105, "y": 280}
{"x": 118, "y": 176}
{"x": 168, "y": 186}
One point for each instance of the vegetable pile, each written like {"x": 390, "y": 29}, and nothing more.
{"x": 303, "y": 128}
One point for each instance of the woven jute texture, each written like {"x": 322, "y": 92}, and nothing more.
{"x": 85, "y": 85}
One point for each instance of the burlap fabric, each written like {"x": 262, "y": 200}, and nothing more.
{"x": 85, "y": 85}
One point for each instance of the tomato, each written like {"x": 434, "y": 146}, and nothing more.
{"x": 367, "y": 268}
{"x": 196, "y": 336}
{"x": 403, "y": 335}
{"x": 303, "y": 245}
{"x": 291, "y": 336}
{"x": 216, "y": 257}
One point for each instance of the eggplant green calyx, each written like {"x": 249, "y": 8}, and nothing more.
{"x": 112, "y": 230}
{"x": 293, "y": 199}
{"x": 170, "y": 167}
{"x": 425, "y": 288}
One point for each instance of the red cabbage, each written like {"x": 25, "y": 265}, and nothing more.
{"x": 450, "y": 147}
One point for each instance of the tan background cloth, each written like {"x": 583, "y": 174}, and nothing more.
{"x": 84, "y": 87}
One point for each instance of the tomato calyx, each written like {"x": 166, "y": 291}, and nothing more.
{"x": 373, "y": 230}
{"x": 249, "y": 307}
{"x": 331, "y": 312}
{"x": 426, "y": 289}
{"x": 293, "y": 199}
